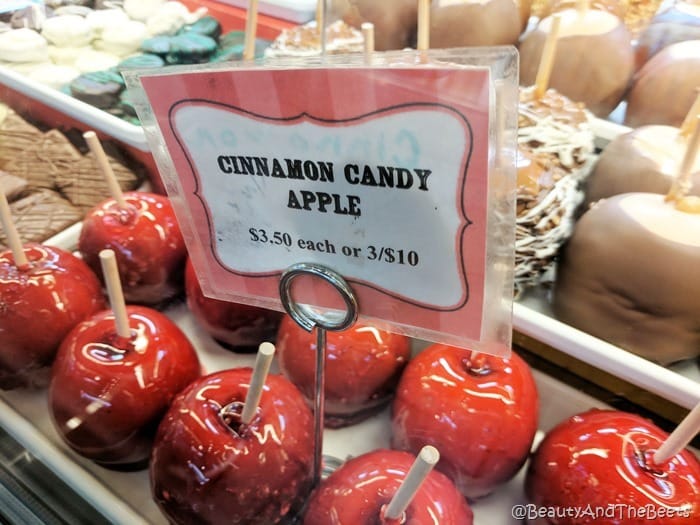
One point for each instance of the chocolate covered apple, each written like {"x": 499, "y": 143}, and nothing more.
{"x": 461, "y": 23}
{"x": 40, "y": 302}
{"x": 594, "y": 59}
{"x": 363, "y": 366}
{"x": 479, "y": 411}
{"x": 359, "y": 492}
{"x": 146, "y": 239}
{"x": 236, "y": 326}
{"x": 209, "y": 467}
{"x": 108, "y": 392}
{"x": 602, "y": 460}
{"x": 394, "y": 21}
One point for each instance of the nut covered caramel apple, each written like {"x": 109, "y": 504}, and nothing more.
{"x": 210, "y": 468}
{"x": 39, "y": 305}
{"x": 360, "y": 490}
{"x": 236, "y": 326}
{"x": 363, "y": 366}
{"x": 602, "y": 461}
{"x": 147, "y": 242}
{"x": 108, "y": 393}
{"x": 479, "y": 411}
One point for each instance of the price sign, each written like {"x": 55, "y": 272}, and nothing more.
{"x": 381, "y": 174}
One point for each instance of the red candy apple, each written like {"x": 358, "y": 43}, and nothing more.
{"x": 209, "y": 468}
{"x": 359, "y": 491}
{"x": 147, "y": 242}
{"x": 479, "y": 411}
{"x": 363, "y": 366}
{"x": 600, "y": 462}
{"x": 236, "y": 326}
{"x": 39, "y": 304}
{"x": 108, "y": 393}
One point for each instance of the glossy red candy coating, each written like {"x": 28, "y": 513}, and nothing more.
{"x": 363, "y": 366}
{"x": 479, "y": 411}
{"x": 107, "y": 393}
{"x": 359, "y": 490}
{"x": 147, "y": 243}
{"x": 236, "y": 326}
{"x": 208, "y": 468}
{"x": 601, "y": 459}
{"x": 39, "y": 305}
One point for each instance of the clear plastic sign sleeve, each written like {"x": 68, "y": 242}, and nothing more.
{"x": 397, "y": 172}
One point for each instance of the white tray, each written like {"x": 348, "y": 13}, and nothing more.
{"x": 125, "y": 498}
{"x": 298, "y": 11}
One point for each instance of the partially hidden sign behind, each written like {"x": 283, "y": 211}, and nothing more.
{"x": 379, "y": 174}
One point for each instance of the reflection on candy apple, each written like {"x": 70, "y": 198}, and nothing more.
{"x": 39, "y": 305}
{"x": 363, "y": 366}
{"x": 359, "y": 491}
{"x": 236, "y": 326}
{"x": 602, "y": 460}
{"x": 146, "y": 240}
{"x": 209, "y": 467}
{"x": 479, "y": 411}
{"x": 108, "y": 393}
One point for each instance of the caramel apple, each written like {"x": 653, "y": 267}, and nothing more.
{"x": 594, "y": 59}
{"x": 394, "y": 21}
{"x": 209, "y": 467}
{"x": 461, "y": 23}
{"x": 359, "y": 492}
{"x": 601, "y": 463}
{"x": 363, "y": 366}
{"x": 629, "y": 275}
{"x": 40, "y": 302}
{"x": 146, "y": 239}
{"x": 479, "y": 411}
{"x": 238, "y": 327}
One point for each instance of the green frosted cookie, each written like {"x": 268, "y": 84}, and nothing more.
{"x": 99, "y": 88}
{"x": 158, "y": 45}
{"x": 190, "y": 48}
{"x": 145, "y": 61}
{"x": 207, "y": 26}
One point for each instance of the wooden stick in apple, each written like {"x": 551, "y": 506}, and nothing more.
{"x": 425, "y": 462}
{"x": 582, "y": 7}
{"x": 682, "y": 182}
{"x": 679, "y": 438}
{"x": 251, "y": 27}
{"x": 320, "y": 16}
{"x": 266, "y": 352}
{"x": 544, "y": 71}
{"x": 691, "y": 119}
{"x": 103, "y": 164}
{"x": 114, "y": 292}
{"x": 368, "y": 36}
{"x": 13, "y": 239}
{"x": 423, "y": 43}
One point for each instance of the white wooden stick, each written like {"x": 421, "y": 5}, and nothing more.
{"x": 251, "y": 28}
{"x": 103, "y": 165}
{"x": 114, "y": 292}
{"x": 423, "y": 43}
{"x": 13, "y": 239}
{"x": 691, "y": 119}
{"x": 266, "y": 352}
{"x": 549, "y": 51}
{"x": 682, "y": 183}
{"x": 368, "y": 39}
{"x": 679, "y": 438}
{"x": 424, "y": 464}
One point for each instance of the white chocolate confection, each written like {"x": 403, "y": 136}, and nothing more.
{"x": 170, "y": 17}
{"x": 556, "y": 134}
{"x": 101, "y": 19}
{"x": 65, "y": 55}
{"x": 67, "y": 30}
{"x": 123, "y": 39}
{"x": 53, "y": 75}
{"x": 304, "y": 41}
{"x": 141, "y": 9}
{"x": 23, "y": 68}
{"x": 91, "y": 60}
{"x": 23, "y": 45}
